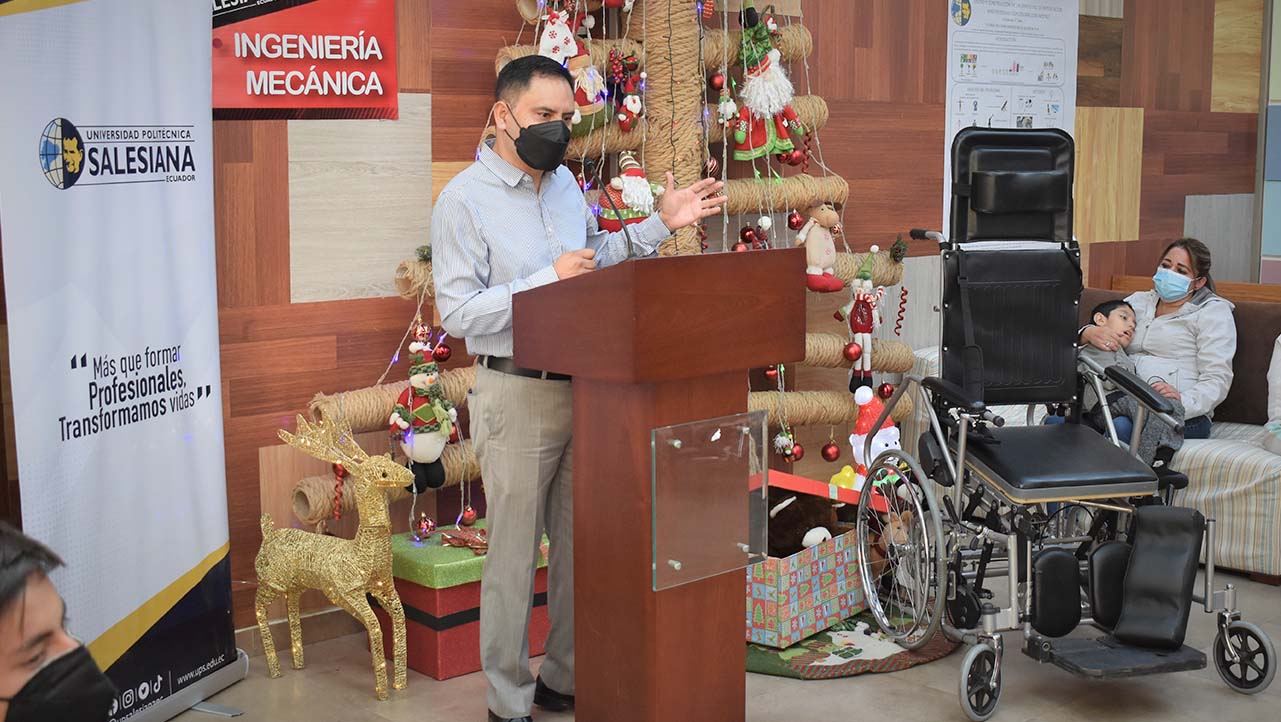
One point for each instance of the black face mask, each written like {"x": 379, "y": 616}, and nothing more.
{"x": 542, "y": 146}
{"x": 71, "y": 688}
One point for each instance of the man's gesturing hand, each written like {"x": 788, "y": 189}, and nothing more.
{"x": 575, "y": 263}
{"x": 681, "y": 207}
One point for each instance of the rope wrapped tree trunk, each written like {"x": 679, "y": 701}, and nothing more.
{"x": 674, "y": 101}
{"x": 599, "y": 50}
{"x": 798, "y": 192}
{"x": 794, "y": 43}
{"x": 885, "y": 270}
{"x": 822, "y": 408}
{"x": 314, "y": 495}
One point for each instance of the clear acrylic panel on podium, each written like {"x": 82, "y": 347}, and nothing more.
{"x": 709, "y": 485}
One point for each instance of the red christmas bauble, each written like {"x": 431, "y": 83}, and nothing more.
{"x": 442, "y": 352}
{"x": 798, "y": 452}
{"x": 424, "y": 526}
{"x": 853, "y": 351}
{"x": 453, "y": 436}
{"x": 468, "y": 517}
{"x": 712, "y": 167}
{"x": 797, "y": 157}
{"x": 795, "y": 221}
{"x": 761, "y": 236}
{"x": 771, "y": 373}
{"x": 838, "y": 229}
{"x": 717, "y": 80}
{"x": 885, "y": 391}
{"x": 831, "y": 452}
{"x": 340, "y": 471}
{"x": 741, "y": 247}
{"x": 784, "y": 158}
{"x": 747, "y": 235}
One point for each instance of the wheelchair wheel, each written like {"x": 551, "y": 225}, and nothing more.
{"x": 901, "y": 551}
{"x": 980, "y": 689}
{"x": 1258, "y": 658}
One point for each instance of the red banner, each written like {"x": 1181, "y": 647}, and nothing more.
{"x": 304, "y": 59}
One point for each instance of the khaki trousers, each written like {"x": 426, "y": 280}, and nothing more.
{"x": 522, "y": 430}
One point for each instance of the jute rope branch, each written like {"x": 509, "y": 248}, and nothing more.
{"x": 795, "y": 43}
{"x": 811, "y": 110}
{"x": 750, "y": 196}
{"x": 599, "y": 50}
{"x": 815, "y": 408}
{"x": 314, "y": 495}
{"x": 885, "y": 270}
{"x": 591, "y": 145}
{"x": 369, "y": 408}
{"x": 412, "y": 276}
{"x": 827, "y": 350}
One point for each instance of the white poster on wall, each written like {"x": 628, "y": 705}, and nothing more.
{"x": 1010, "y": 64}
{"x": 106, "y": 223}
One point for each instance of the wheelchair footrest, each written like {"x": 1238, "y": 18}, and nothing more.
{"x": 1107, "y": 658}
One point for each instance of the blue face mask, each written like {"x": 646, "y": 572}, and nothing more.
{"x": 1170, "y": 286}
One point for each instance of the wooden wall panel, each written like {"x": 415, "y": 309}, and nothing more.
{"x": 413, "y": 45}
{"x": 251, "y": 212}
{"x": 1099, "y": 61}
{"x": 1166, "y": 54}
{"x": 1238, "y": 47}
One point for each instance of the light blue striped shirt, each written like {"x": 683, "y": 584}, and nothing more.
{"x": 493, "y": 235}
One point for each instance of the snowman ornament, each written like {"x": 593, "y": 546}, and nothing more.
{"x": 423, "y": 420}
{"x": 884, "y": 438}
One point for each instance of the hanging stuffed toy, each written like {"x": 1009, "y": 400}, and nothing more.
{"x": 631, "y": 192}
{"x": 591, "y": 109}
{"x": 631, "y": 106}
{"x": 864, "y": 316}
{"x": 423, "y": 419}
{"x": 798, "y": 522}
{"x": 820, "y": 249}
{"x": 883, "y": 439}
{"x": 766, "y": 120}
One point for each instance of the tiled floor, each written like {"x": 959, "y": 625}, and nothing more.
{"x": 337, "y": 686}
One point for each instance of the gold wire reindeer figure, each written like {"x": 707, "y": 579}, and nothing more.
{"x": 293, "y": 560}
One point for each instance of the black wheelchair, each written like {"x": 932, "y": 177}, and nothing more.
{"x": 1076, "y": 523}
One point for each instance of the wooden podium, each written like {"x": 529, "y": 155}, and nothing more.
{"x": 650, "y": 343}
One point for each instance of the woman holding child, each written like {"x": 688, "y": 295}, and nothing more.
{"x": 1183, "y": 337}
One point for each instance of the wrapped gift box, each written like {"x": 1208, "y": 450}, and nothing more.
{"x": 439, "y": 587}
{"x": 796, "y": 597}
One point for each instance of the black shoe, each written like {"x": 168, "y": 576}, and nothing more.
{"x": 551, "y": 700}
{"x": 495, "y": 718}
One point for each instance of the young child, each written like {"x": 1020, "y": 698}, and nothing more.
{"x": 1119, "y": 317}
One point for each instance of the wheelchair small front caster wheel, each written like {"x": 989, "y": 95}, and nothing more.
{"x": 980, "y": 683}
{"x": 1257, "y": 657}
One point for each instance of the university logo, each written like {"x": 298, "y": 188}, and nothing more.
{"x": 961, "y": 12}
{"x": 61, "y": 153}
{"x": 113, "y": 154}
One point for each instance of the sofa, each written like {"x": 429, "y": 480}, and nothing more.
{"x": 1231, "y": 477}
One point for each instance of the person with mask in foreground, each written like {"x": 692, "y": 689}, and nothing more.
{"x": 514, "y": 220}
{"x": 46, "y": 675}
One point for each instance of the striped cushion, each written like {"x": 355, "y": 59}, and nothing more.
{"x": 1231, "y": 431}
{"x": 1239, "y": 484}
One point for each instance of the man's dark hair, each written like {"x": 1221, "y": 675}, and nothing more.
{"x": 515, "y": 76}
{"x": 1107, "y": 307}
{"x": 20, "y": 558}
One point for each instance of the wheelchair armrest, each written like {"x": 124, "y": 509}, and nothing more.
{"x": 952, "y": 394}
{"x": 1142, "y": 392}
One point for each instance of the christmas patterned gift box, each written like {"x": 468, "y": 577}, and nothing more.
{"x": 439, "y": 587}
{"x": 799, "y": 596}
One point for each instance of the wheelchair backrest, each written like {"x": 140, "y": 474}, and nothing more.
{"x": 1011, "y": 271}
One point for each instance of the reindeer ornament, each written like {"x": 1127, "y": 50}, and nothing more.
{"x": 292, "y": 560}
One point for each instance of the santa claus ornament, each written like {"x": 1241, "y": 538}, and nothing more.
{"x": 864, "y": 316}
{"x": 423, "y": 419}
{"x": 631, "y": 194}
{"x": 591, "y": 107}
{"x": 632, "y": 106}
{"x": 885, "y": 437}
{"x": 766, "y": 120}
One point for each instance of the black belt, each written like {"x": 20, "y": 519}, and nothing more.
{"x": 507, "y": 366}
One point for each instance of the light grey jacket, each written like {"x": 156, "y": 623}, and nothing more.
{"x": 1190, "y": 349}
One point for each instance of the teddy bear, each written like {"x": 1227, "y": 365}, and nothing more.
{"x": 819, "y": 242}
{"x": 798, "y": 522}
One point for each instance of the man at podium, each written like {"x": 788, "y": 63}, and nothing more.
{"x": 514, "y": 220}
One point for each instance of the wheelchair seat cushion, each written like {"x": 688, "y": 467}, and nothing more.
{"x": 1062, "y": 461}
